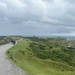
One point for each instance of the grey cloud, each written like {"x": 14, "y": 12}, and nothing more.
{"x": 35, "y": 9}
{"x": 35, "y": 16}
{"x": 71, "y": 1}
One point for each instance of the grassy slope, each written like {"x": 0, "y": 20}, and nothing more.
{"x": 24, "y": 58}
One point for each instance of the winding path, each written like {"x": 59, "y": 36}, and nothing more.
{"x": 7, "y": 67}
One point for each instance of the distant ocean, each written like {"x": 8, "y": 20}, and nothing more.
{"x": 69, "y": 37}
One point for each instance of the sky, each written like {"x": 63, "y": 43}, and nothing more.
{"x": 37, "y": 17}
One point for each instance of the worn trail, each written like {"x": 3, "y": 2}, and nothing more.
{"x": 7, "y": 67}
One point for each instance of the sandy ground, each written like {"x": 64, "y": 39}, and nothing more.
{"x": 7, "y": 67}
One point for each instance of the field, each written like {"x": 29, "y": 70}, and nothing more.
{"x": 25, "y": 55}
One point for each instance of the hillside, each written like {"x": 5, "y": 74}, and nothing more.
{"x": 44, "y": 56}
{"x": 8, "y": 39}
{"x": 4, "y": 40}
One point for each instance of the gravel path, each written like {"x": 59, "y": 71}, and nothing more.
{"x": 7, "y": 67}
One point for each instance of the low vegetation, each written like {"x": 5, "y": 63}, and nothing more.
{"x": 8, "y": 39}
{"x": 44, "y": 56}
{"x": 4, "y": 40}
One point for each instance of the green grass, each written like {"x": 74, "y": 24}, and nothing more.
{"x": 23, "y": 57}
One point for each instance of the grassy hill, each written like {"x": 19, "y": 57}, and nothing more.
{"x": 44, "y": 56}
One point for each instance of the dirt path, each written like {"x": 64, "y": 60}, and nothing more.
{"x": 7, "y": 67}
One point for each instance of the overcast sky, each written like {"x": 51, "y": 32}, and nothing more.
{"x": 37, "y": 17}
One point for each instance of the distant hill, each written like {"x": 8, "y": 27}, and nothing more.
{"x": 7, "y": 39}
